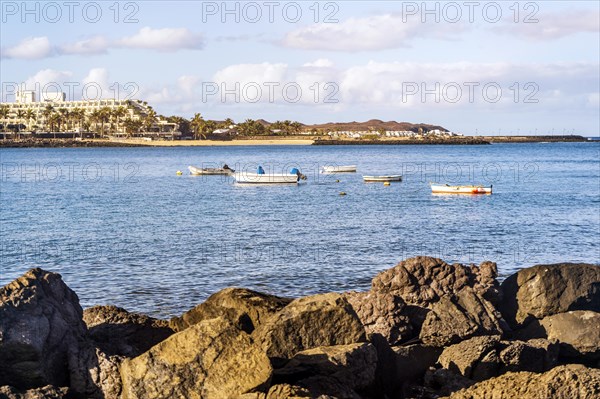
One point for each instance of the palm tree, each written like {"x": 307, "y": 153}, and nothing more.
{"x": 198, "y": 125}
{"x": 95, "y": 117}
{"x": 118, "y": 113}
{"x": 29, "y": 115}
{"x": 104, "y": 115}
{"x": 78, "y": 115}
{"x": 149, "y": 120}
{"x": 4, "y": 111}
{"x": 47, "y": 112}
{"x": 64, "y": 117}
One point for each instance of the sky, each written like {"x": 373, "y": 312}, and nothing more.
{"x": 473, "y": 67}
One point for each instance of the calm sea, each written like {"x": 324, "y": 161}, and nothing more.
{"x": 122, "y": 228}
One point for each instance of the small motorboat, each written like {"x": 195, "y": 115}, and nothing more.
{"x": 468, "y": 189}
{"x": 269, "y": 178}
{"x": 338, "y": 169}
{"x": 387, "y": 178}
{"x": 225, "y": 170}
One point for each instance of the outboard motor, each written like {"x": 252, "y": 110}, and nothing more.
{"x": 296, "y": 172}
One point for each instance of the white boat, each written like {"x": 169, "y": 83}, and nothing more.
{"x": 210, "y": 171}
{"x": 338, "y": 169}
{"x": 388, "y": 178}
{"x": 266, "y": 178}
{"x": 468, "y": 189}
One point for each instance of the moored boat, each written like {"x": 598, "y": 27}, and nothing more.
{"x": 269, "y": 178}
{"x": 225, "y": 170}
{"x": 266, "y": 178}
{"x": 338, "y": 169}
{"x": 466, "y": 189}
{"x": 385, "y": 178}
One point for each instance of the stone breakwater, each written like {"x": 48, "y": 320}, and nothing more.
{"x": 425, "y": 329}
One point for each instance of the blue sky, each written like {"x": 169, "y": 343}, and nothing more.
{"x": 472, "y": 67}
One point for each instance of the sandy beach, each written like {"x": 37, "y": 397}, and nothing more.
{"x": 212, "y": 143}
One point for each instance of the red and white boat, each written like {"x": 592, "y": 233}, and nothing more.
{"x": 468, "y": 189}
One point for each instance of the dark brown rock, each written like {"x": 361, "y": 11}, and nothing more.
{"x": 287, "y": 391}
{"x": 352, "y": 366}
{"x": 47, "y": 392}
{"x": 475, "y": 358}
{"x": 310, "y": 322}
{"x": 381, "y": 313}
{"x": 564, "y": 382}
{"x": 41, "y": 332}
{"x": 119, "y": 332}
{"x": 423, "y": 280}
{"x": 413, "y": 361}
{"x": 536, "y": 355}
{"x": 441, "y": 382}
{"x": 578, "y": 333}
{"x": 545, "y": 290}
{"x": 240, "y": 305}
{"x": 453, "y": 319}
{"x": 211, "y": 359}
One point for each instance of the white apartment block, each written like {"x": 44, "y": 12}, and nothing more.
{"x": 54, "y": 102}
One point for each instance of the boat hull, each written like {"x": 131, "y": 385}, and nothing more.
{"x": 389, "y": 178}
{"x": 339, "y": 169}
{"x": 447, "y": 189}
{"x": 270, "y": 178}
{"x": 209, "y": 171}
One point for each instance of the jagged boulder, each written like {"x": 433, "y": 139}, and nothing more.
{"x": 441, "y": 382}
{"x": 578, "y": 333}
{"x": 475, "y": 358}
{"x": 545, "y": 290}
{"x": 47, "y": 392}
{"x": 424, "y": 280}
{"x": 455, "y": 318}
{"x": 381, "y": 313}
{"x": 352, "y": 366}
{"x": 565, "y": 382}
{"x": 211, "y": 359}
{"x": 119, "y": 332}
{"x": 240, "y": 305}
{"x": 309, "y": 322}
{"x": 287, "y": 391}
{"x": 41, "y": 332}
{"x": 535, "y": 355}
{"x": 413, "y": 361}
{"x": 98, "y": 374}
{"x": 480, "y": 358}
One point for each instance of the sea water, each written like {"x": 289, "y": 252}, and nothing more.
{"x": 123, "y": 228}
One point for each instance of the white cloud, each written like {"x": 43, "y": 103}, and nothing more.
{"x": 99, "y": 77}
{"x": 320, "y": 63}
{"x": 555, "y": 25}
{"x": 166, "y": 39}
{"x": 377, "y": 32}
{"x": 48, "y": 76}
{"x": 251, "y": 73}
{"x": 29, "y": 49}
{"x": 93, "y": 45}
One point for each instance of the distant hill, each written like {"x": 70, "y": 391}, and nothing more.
{"x": 375, "y": 125}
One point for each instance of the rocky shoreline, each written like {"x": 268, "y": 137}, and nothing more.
{"x": 433, "y": 141}
{"x": 62, "y": 143}
{"x": 425, "y": 329}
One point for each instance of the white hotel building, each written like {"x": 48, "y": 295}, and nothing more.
{"x": 134, "y": 110}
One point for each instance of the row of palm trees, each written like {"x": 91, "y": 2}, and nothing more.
{"x": 250, "y": 127}
{"x": 120, "y": 120}
{"x": 66, "y": 120}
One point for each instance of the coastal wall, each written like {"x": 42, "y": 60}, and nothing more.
{"x": 425, "y": 329}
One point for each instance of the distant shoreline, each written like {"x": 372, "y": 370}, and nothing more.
{"x": 271, "y": 141}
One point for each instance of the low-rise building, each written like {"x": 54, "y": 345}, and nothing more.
{"x": 108, "y": 117}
